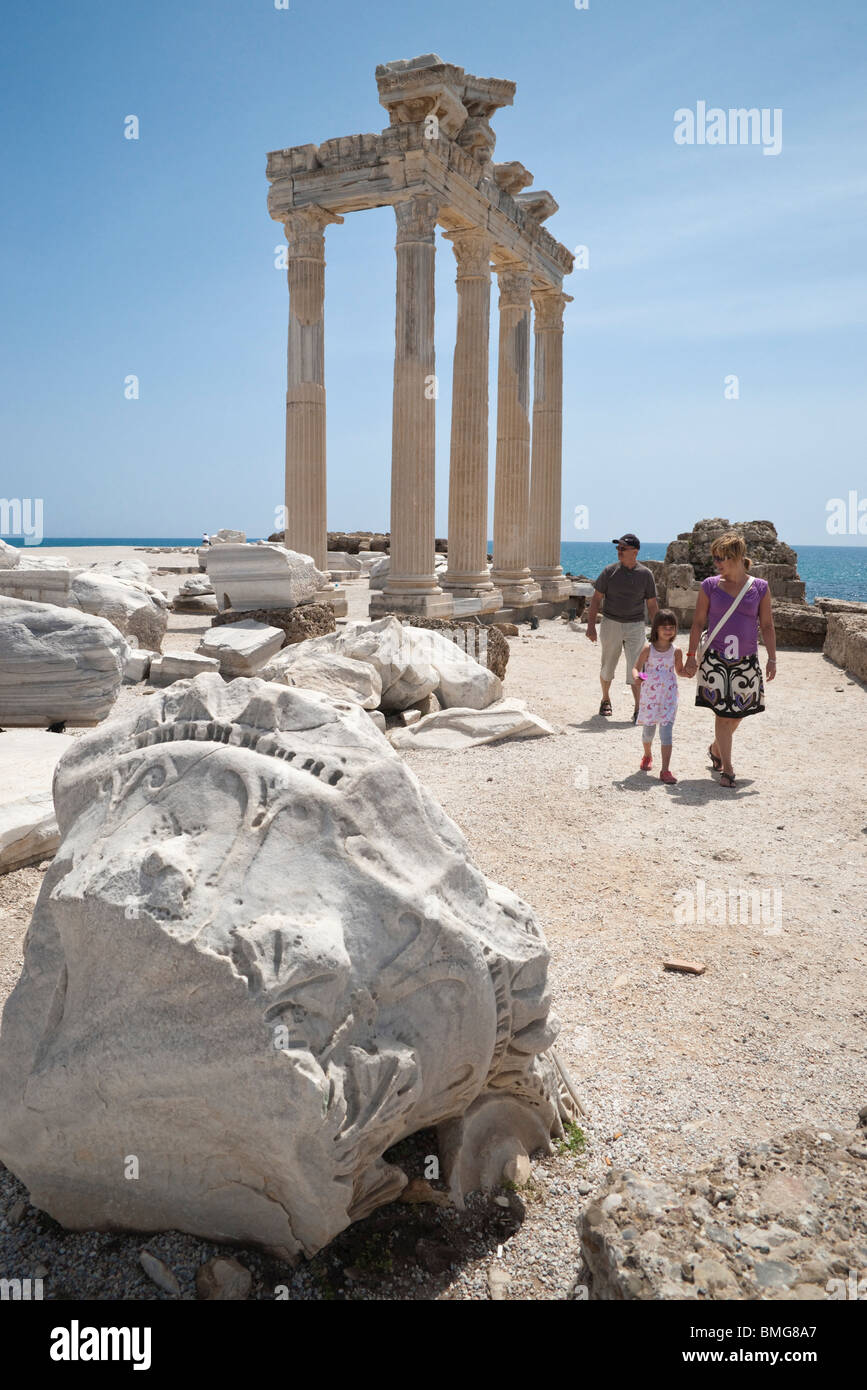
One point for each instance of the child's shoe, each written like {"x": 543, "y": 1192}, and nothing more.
{"x": 646, "y": 763}
{"x": 667, "y": 777}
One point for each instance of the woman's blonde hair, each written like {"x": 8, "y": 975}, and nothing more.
{"x": 731, "y": 546}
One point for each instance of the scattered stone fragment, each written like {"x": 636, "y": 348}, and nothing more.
{"x": 180, "y": 666}
{"x": 419, "y": 1190}
{"x": 160, "y": 1273}
{"x": 499, "y": 1280}
{"x": 224, "y": 1279}
{"x": 686, "y": 967}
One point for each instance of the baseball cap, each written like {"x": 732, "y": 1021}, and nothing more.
{"x": 629, "y": 539}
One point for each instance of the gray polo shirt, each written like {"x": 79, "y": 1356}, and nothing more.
{"x": 625, "y": 591}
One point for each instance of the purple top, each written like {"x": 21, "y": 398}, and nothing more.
{"x": 739, "y": 636}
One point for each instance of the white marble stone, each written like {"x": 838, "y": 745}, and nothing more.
{"x": 327, "y": 672}
{"x": 9, "y": 556}
{"x": 28, "y": 825}
{"x": 37, "y": 582}
{"x": 242, "y": 649}
{"x": 137, "y": 666}
{"x": 135, "y": 611}
{"x": 56, "y": 665}
{"x": 261, "y": 958}
{"x": 180, "y": 666}
{"x": 262, "y": 576}
{"x": 465, "y": 728}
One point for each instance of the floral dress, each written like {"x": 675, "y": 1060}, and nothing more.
{"x": 658, "y": 703}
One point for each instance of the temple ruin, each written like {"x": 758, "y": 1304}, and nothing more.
{"x": 434, "y": 165}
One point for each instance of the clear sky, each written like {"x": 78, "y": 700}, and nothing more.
{"x": 156, "y": 256}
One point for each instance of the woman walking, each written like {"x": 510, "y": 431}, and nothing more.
{"x": 732, "y": 605}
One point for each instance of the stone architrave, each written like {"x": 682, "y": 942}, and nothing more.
{"x": 547, "y": 451}
{"x": 412, "y": 586}
{"x": 511, "y": 572}
{"x": 467, "y": 575}
{"x": 305, "y": 391}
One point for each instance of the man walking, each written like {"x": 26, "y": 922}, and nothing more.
{"x": 622, "y": 590}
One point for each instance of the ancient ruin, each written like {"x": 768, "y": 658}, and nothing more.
{"x": 266, "y": 980}
{"x": 434, "y": 165}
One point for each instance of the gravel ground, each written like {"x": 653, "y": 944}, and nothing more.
{"x": 676, "y": 1071}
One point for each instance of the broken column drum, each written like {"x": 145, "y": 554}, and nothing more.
{"x": 434, "y": 164}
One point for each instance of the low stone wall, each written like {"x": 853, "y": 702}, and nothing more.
{"x": 846, "y": 642}
{"x": 799, "y": 625}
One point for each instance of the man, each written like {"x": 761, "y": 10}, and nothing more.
{"x": 622, "y": 590}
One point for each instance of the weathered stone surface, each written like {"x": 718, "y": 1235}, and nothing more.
{"x": 253, "y": 967}
{"x": 242, "y": 648}
{"x": 799, "y": 626}
{"x": 487, "y": 645}
{"x": 846, "y": 642}
{"x": 327, "y": 672}
{"x": 137, "y": 665}
{"x": 57, "y": 666}
{"x": 28, "y": 825}
{"x": 851, "y": 607}
{"x": 688, "y": 561}
{"x": 36, "y": 579}
{"x": 226, "y": 536}
{"x": 298, "y": 624}
{"x": 134, "y": 610}
{"x": 379, "y": 572}
{"x": 9, "y": 556}
{"x": 223, "y": 1279}
{"x": 262, "y": 576}
{"x": 465, "y": 728}
{"x": 786, "y": 1221}
{"x": 180, "y": 666}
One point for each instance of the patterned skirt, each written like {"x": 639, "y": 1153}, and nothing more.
{"x": 730, "y": 688}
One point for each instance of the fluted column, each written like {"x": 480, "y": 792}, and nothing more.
{"x": 411, "y": 586}
{"x": 306, "y": 524}
{"x": 511, "y": 571}
{"x": 547, "y": 452}
{"x": 467, "y": 575}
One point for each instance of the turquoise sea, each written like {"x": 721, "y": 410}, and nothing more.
{"x": 835, "y": 571}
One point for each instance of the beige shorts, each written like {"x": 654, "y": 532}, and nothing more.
{"x": 615, "y": 638}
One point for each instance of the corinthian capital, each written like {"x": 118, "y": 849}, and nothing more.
{"x": 515, "y": 286}
{"x": 472, "y": 250}
{"x": 305, "y": 231}
{"x": 549, "y": 305}
{"x": 417, "y": 217}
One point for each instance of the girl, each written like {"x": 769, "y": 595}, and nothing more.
{"x": 658, "y": 703}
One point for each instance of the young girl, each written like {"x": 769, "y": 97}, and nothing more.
{"x": 658, "y": 704}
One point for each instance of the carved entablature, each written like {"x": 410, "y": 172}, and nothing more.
{"x": 539, "y": 203}
{"x": 415, "y": 88}
{"x": 512, "y": 177}
{"x": 449, "y": 159}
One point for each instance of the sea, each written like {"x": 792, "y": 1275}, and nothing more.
{"x": 834, "y": 571}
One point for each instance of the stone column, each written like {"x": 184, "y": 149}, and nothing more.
{"x": 467, "y": 576}
{"x": 547, "y": 455}
{"x": 411, "y": 586}
{"x": 511, "y": 572}
{"x": 305, "y": 391}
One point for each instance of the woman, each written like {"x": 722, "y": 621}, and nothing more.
{"x": 730, "y": 677}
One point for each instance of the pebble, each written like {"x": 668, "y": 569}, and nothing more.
{"x": 160, "y": 1273}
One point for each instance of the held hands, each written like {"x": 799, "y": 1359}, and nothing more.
{"x": 690, "y": 666}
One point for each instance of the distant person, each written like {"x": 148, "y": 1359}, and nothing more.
{"x": 732, "y": 605}
{"x": 206, "y": 540}
{"x": 622, "y": 590}
{"x": 659, "y": 664}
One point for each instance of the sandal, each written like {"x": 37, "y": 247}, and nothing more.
{"x": 646, "y": 764}
{"x": 727, "y": 779}
{"x": 667, "y": 777}
{"x": 605, "y": 707}
{"x": 717, "y": 762}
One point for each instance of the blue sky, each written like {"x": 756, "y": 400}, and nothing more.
{"x": 156, "y": 256}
